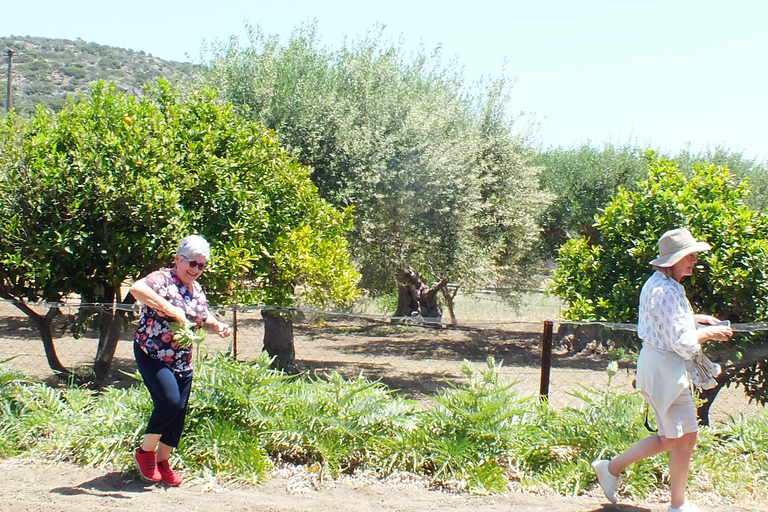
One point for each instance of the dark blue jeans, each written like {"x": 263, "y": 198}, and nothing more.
{"x": 170, "y": 395}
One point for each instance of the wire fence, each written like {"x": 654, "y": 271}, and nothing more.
{"x": 414, "y": 358}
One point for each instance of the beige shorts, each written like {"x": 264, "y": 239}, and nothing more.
{"x": 680, "y": 417}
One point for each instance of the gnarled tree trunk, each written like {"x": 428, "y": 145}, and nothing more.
{"x": 416, "y": 298}
{"x": 278, "y": 340}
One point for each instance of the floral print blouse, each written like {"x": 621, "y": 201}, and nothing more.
{"x": 666, "y": 319}
{"x": 154, "y": 334}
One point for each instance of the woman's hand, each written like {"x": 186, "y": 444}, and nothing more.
{"x": 176, "y": 313}
{"x": 715, "y": 332}
{"x": 706, "y": 319}
{"x": 221, "y": 329}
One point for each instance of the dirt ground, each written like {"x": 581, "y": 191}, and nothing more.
{"x": 29, "y": 486}
{"x": 415, "y": 361}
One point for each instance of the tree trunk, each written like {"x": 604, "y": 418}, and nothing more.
{"x": 756, "y": 355}
{"x": 430, "y": 306}
{"x": 708, "y": 397}
{"x": 109, "y": 335}
{"x": 407, "y": 302}
{"x": 278, "y": 340}
{"x": 415, "y": 298}
{"x": 43, "y": 325}
{"x": 449, "y": 297}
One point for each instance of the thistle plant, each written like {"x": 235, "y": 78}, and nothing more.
{"x": 184, "y": 335}
{"x": 480, "y": 433}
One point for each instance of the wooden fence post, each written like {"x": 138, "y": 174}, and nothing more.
{"x": 546, "y": 359}
{"x": 234, "y": 333}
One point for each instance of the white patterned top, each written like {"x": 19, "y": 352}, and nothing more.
{"x": 666, "y": 319}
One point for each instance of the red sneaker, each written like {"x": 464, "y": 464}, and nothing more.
{"x": 145, "y": 461}
{"x": 169, "y": 476}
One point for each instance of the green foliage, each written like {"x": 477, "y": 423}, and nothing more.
{"x": 184, "y": 336}
{"x": 583, "y": 179}
{"x": 602, "y": 281}
{"x": 471, "y": 431}
{"x": 103, "y": 191}
{"x": 479, "y": 434}
{"x": 432, "y": 170}
{"x": 11, "y": 411}
{"x": 742, "y": 168}
{"x": 48, "y": 71}
{"x": 741, "y": 441}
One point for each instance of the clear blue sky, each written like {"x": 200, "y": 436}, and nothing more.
{"x": 659, "y": 73}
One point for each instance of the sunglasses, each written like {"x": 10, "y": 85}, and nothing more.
{"x": 193, "y": 263}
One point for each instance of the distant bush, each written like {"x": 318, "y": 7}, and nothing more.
{"x": 108, "y": 63}
{"x": 35, "y": 65}
{"x": 39, "y": 88}
{"x": 74, "y": 71}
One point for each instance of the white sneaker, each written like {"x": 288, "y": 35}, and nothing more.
{"x": 688, "y": 506}
{"x": 608, "y": 482}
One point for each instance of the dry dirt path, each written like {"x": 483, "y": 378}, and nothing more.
{"x": 36, "y": 487}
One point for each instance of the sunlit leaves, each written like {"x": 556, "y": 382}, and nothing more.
{"x": 601, "y": 279}
{"x": 103, "y": 191}
{"x": 437, "y": 179}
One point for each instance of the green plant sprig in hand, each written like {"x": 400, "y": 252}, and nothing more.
{"x": 184, "y": 336}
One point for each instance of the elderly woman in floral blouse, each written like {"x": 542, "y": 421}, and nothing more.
{"x": 167, "y": 295}
{"x": 668, "y": 328}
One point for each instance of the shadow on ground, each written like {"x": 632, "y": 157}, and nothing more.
{"x": 115, "y": 485}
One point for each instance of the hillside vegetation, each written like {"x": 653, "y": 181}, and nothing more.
{"x": 45, "y": 71}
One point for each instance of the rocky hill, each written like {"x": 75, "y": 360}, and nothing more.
{"x": 47, "y": 71}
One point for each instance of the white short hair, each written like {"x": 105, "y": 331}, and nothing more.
{"x": 193, "y": 245}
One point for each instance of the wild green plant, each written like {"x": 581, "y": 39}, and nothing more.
{"x": 732, "y": 457}
{"x": 608, "y": 422}
{"x": 11, "y": 409}
{"x": 480, "y": 433}
{"x": 104, "y": 429}
{"x": 471, "y": 430}
{"x": 333, "y": 421}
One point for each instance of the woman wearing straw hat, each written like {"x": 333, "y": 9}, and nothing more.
{"x": 668, "y": 328}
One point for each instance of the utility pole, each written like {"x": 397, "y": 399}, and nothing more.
{"x": 10, "y": 67}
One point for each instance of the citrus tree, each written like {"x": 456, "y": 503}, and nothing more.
{"x": 602, "y": 281}
{"x": 102, "y": 192}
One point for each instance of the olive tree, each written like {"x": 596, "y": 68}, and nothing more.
{"x": 439, "y": 181}
{"x": 583, "y": 180}
{"x": 741, "y": 166}
{"x": 101, "y": 192}
{"x": 602, "y": 281}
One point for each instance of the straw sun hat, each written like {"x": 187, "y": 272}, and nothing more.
{"x": 675, "y": 244}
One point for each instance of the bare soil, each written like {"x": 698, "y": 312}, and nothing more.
{"x": 416, "y": 361}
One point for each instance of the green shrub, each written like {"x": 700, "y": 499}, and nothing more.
{"x": 74, "y": 71}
